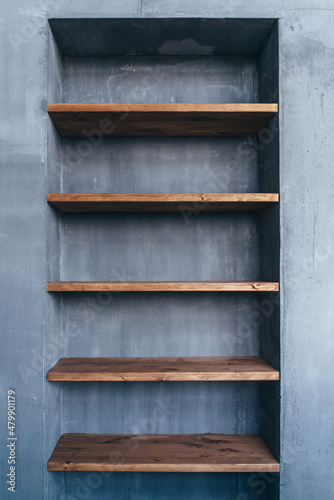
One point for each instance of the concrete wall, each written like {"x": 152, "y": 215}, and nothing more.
{"x": 159, "y": 247}
{"x": 37, "y": 328}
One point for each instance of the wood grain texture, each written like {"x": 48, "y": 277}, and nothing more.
{"x": 215, "y": 368}
{"x": 161, "y": 119}
{"x": 162, "y": 453}
{"x": 154, "y": 202}
{"x": 162, "y": 286}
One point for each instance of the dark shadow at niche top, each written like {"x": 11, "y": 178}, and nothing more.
{"x": 109, "y": 37}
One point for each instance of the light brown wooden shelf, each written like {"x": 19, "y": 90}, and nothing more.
{"x": 162, "y": 286}
{"x": 140, "y": 202}
{"x": 162, "y": 453}
{"x": 215, "y": 368}
{"x": 126, "y": 119}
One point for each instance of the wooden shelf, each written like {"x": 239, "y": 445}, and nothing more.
{"x": 110, "y": 202}
{"x": 162, "y": 453}
{"x": 125, "y": 119}
{"x": 162, "y": 286}
{"x": 214, "y": 368}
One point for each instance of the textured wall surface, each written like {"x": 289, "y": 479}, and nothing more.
{"x": 159, "y": 246}
{"x": 36, "y": 328}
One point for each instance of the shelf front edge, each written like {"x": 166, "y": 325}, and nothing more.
{"x": 163, "y": 286}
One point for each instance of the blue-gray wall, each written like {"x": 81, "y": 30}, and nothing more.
{"x": 37, "y": 244}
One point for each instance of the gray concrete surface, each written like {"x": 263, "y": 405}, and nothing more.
{"x": 37, "y": 245}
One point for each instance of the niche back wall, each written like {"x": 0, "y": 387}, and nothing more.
{"x": 158, "y": 246}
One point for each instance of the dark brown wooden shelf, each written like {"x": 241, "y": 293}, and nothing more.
{"x": 162, "y": 453}
{"x": 110, "y": 202}
{"x": 214, "y": 368}
{"x": 162, "y": 286}
{"x": 125, "y": 119}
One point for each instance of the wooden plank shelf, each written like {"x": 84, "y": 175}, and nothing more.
{"x": 161, "y": 119}
{"x": 162, "y": 453}
{"x": 162, "y": 286}
{"x": 154, "y": 202}
{"x": 216, "y": 368}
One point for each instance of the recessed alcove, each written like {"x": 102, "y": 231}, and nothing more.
{"x": 199, "y": 61}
